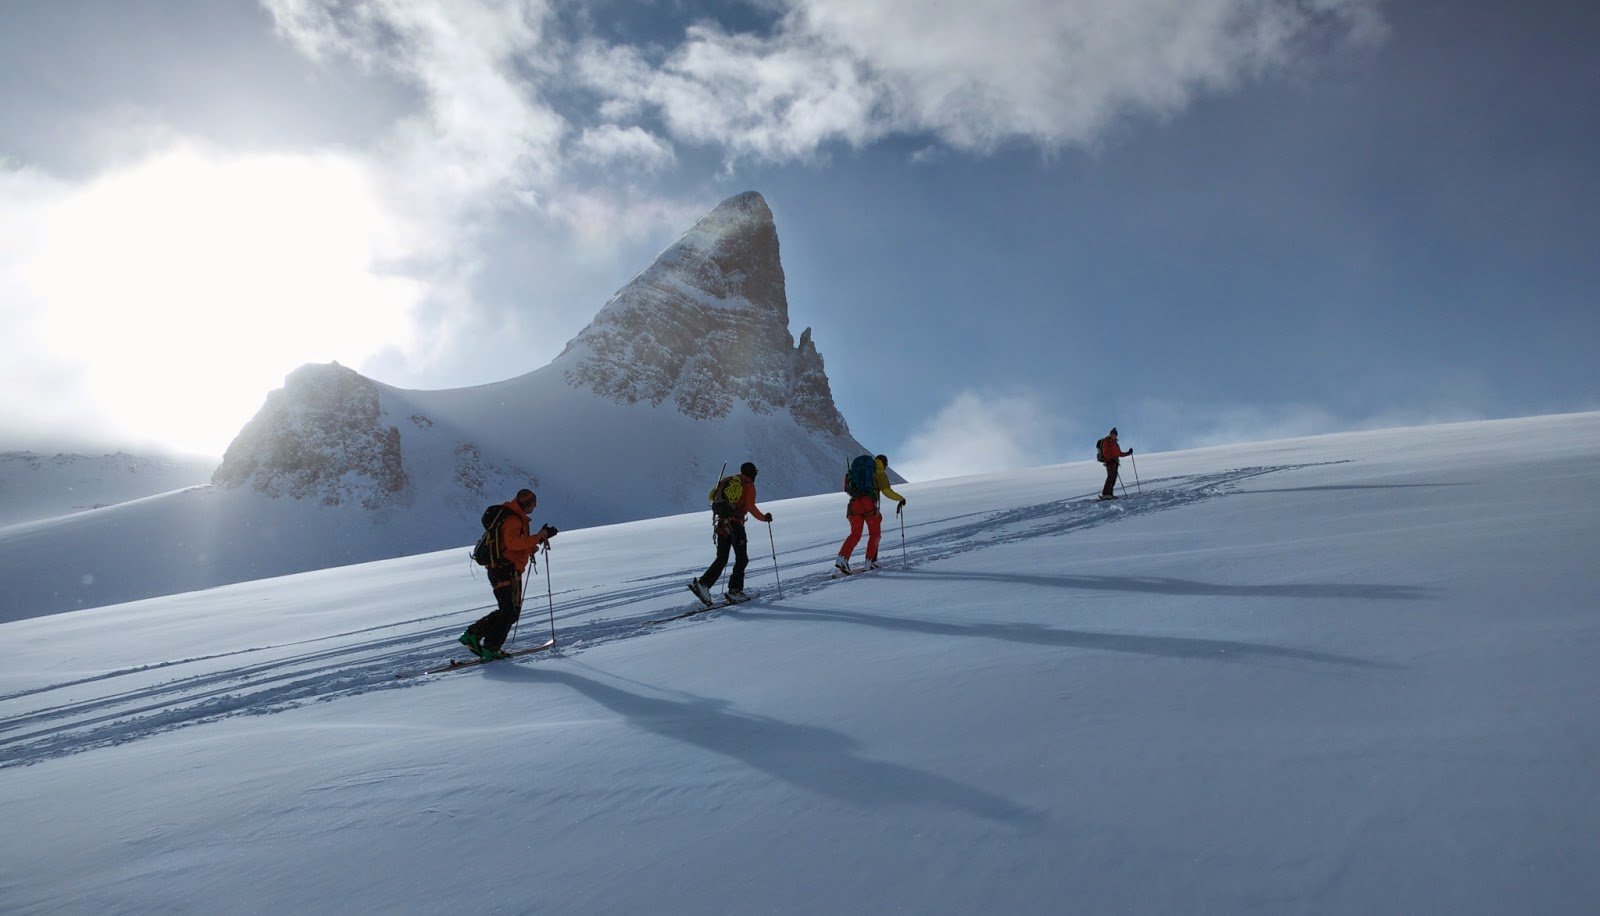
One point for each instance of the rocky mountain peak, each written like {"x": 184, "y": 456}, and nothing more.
{"x": 321, "y": 437}
{"x": 706, "y": 326}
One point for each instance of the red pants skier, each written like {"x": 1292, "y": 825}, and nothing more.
{"x": 863, "y": 510}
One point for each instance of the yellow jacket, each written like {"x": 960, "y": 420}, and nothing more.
{"x": 880, "y": 479}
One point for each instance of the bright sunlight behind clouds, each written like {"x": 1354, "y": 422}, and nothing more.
{"x": 169, "y": 295}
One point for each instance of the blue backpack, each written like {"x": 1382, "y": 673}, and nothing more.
{"x": 861, "y": 479}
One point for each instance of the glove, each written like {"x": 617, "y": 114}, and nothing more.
{"x": 769, "y": 518}
{"x": 1130, "y": 451}
{"x": 900, "y": 508}
{"x": 549, "y": 531}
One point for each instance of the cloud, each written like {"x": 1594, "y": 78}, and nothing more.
{"x": 118, "y": 288}
{"x": 776, "y": 98}
{"x": 1049, "y": 72}
{"x": 485, "y": 133}
{"x": 1181, "y": 426}
{"x": 158, "y": 299}
{"x": 977, "y": 433}
{"x": 609, "y": 144}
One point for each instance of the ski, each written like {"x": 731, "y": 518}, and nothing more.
{"x": 841, "y": 574}
{"x": 456, "y": 663}
{"x": 726, "y": 602}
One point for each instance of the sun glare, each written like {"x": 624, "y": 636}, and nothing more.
{"x": 190, "y": 284}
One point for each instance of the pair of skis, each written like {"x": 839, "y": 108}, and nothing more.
{"x": 841, "y": 574}
{"x": 457, "y": 663}
{"x": 725, "y": 602}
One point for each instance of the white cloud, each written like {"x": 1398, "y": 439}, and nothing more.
{"x": 1184, "y": 425}
{"x": 486, "y": 134}
{"x": 609, "y": 144}
{"x": 1050, "y": 72}
{"x": 976, "y": 433}
{"x": 775, "y": 98}
{"x": 159, "y": 300}
{"x": 122, "y": 288}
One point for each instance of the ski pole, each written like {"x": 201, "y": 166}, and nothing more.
{"x": 773, "y": 541}
{"x": 1136, "y": 487}
{"x": 900, "y": 510}
{"x": 549, "y": 594}
{"x": 521, "y": 594}
{"x": 1122, "y": 483}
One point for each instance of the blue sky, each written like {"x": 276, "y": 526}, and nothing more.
{"x": 1011, "y": 225}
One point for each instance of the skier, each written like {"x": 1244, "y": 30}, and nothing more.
{"x": 863, "y": 509}
{"x": 731, "y": 536}
{"x": 516, "y": 547}
{"x": 1110, "y": 451}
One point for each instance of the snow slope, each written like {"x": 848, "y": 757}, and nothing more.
{"x": 1351, "y": 673}
{"x": 34, "y": 486}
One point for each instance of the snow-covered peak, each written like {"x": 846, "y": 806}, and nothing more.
{"x": 706, "y": 327}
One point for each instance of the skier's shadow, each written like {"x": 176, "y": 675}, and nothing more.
{"x": 819, "y": 759}
{"x": 1041, "y": 635}
{"x": 1168, "y": 585}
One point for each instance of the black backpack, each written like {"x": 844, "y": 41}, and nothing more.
{"x": 1099, "y": 450}
{"x": 489, "y": 551}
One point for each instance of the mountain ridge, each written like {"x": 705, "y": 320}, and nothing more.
{"x": 630, "y": 421}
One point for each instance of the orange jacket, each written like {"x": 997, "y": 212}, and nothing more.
{"x": 515, "y": 540}
{"x": 747, "y": 502}
{"x": 1110, "y": 451}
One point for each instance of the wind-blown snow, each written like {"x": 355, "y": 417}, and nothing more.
{"x": 1352, "y": 673}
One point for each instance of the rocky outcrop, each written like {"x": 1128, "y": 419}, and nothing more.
{"x": 475, "y": 475}
{"x": 706, "y": 326}
{"x": 319, "y": 437}
{"x": 810, "y": 396}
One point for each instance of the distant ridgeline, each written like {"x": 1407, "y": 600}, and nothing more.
{"x": 35, "y": 486}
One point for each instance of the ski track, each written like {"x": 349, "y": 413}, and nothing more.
{"x": 287, "y": 675}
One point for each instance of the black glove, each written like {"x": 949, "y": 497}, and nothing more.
{"x": 1130, "y": 451}
{"x": 549, "y": 531}
{"x": 769, "y": 518}
{"x": 900, "y": 508}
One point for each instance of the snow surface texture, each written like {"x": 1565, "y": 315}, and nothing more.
{"x": 689, "y": 366}
{"x": 34, "y": 486}
{"x": 1351, "y": 673}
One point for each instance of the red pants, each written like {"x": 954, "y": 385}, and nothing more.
{"x": 862, "y": 509}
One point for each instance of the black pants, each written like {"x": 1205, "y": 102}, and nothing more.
{"x": 493, "y": 627}
{"x": 1111, "y": 478}
{"x": 731, "y": 539}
